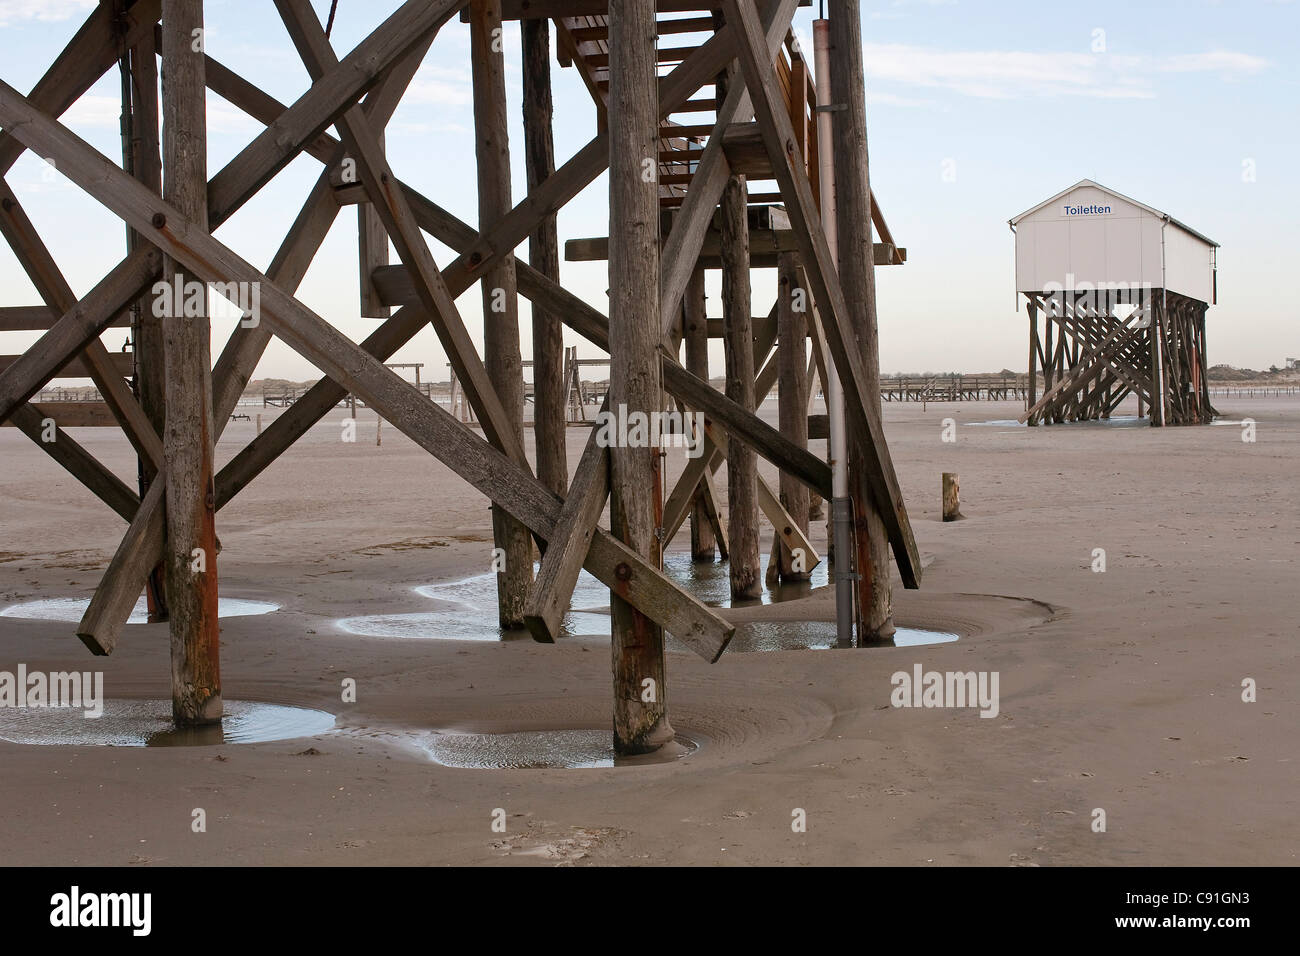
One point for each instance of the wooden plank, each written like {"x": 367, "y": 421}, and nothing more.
{"x": 11, "y": 365}
{"x": 40, "y": 318}
{"x": 567, "y": 550}
{"x": 75, "y": 414}
{"x": 358, "y": 372}
{"x": 815, "y": 257}
{"x": 136, "y": 554}
{"x": 766, "y": 246}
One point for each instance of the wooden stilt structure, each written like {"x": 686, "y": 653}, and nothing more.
{"x": 671, "y": 148}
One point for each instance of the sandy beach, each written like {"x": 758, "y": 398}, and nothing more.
{"x": 1119, "y": 690}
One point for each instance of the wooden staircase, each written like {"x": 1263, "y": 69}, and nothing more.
{"x": 581, "y": 44}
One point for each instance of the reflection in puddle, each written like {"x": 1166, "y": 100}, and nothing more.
{"x": 72, "y": 609}
{"x": 711, "y": 581}
{"x": 818, "y": 635}
{"x": 467, "y": 612}
{"x": 148, "y": 723}
{"x": 1115, "y": 421}
{"x": 541, "y": 749}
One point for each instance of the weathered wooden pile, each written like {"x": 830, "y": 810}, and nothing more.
{"x": 760, "y": 125}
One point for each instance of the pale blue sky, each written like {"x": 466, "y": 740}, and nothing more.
{"x": 976, "y": 111}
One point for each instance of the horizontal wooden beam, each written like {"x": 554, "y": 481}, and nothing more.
{"x": 122, "y": 364}
{"x": 765, "y": 246}
{"x": 41, "y": 318}
{"x": 75, "y": 414}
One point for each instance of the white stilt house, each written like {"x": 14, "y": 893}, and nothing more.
{"x": 1122, "y": 289}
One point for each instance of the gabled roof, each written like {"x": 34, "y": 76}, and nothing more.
{"x": 1118, "y": 195}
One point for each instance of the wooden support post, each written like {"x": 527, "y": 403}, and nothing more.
{"x": 696, "y": 328}
{"x": 738, "y": 336}
{"x": 1032, "y": 309}
{"x": 792, "y": 411}
{"x": 146, "y": 332}
{"x": 640, "y": 711}
{"x": 862, "y": 404}
{"x": 500, "y": 293}
{"x": 951, "y": 496}
{"x": 191, "y": 554}
{"x": 549, "y": 428}
{"x": 372, "y": 253}
{"x": 875, "y": 605}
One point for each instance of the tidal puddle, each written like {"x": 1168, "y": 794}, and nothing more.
{"x": 148, "y": 723}
{"x": 72, "y": 609}
{"x": 542, "y": 749}
{"x": 1115, "y": 421}
{"x": 466, "y": 611}
{"x": 817, "y": 635}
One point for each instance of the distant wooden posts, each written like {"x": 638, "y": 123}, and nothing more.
{"x": 951, "y": 492}
{"x": 500, "y": 296}
{"x": 549, "y": 426}
{"x": 191, "y": 552}
{"x": 640, "y": 709}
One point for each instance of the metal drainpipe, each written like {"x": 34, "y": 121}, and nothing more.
{"x": 841, "y": 506}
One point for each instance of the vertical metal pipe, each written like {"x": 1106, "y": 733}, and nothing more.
{"x": 841, "y": 507}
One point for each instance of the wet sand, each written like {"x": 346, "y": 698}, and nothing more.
{"x": 1118, "y": 690}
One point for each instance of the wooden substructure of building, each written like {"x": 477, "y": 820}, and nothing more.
{"x": 1084, "y": 360}
{"x": 681, "y": 120}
